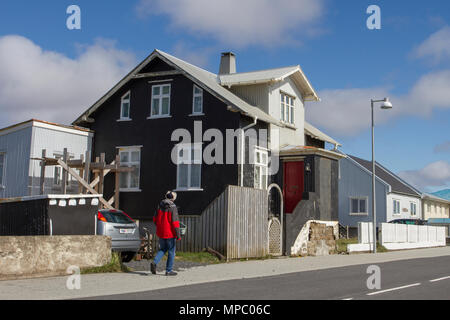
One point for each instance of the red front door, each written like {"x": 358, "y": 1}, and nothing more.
{"x": 293, "y": 184}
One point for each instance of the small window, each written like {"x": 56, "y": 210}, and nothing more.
{"x": 160, "y": 101}
{"x": 125, "y": 107}
{"x": 197, "y": 102}
{"x": 413, "y": 209}
{"x": 261, "y": 169}
{"x": 358, "y": 206}
{"x": 2, "y": 168}
{"x": 189, "y": 166}
{"x": 396, "y": 207}
{"x": 130, "y": 157}
{"x": 287, "y": 109}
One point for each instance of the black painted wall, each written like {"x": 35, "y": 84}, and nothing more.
{"x": 158, "y": 173}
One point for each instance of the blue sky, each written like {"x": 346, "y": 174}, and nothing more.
{"x": 347, "y": 63}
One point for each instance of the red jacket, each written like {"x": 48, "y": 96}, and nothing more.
{"x": 167, "y": 221}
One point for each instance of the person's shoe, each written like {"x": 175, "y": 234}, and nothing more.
{"x": 153, "y": 268}
{"x": 171, "y": 273}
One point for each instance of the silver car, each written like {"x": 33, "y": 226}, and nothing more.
{"x": 124, "y": 232}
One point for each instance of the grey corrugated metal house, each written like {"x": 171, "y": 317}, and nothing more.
{"x": 19, "y": 175}
{"x": 395, "y": 199}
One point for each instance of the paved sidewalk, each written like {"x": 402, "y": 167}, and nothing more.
{"x": 119, "y": 283}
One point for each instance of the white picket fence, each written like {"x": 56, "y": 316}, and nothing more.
{"x": 399, "y": 236}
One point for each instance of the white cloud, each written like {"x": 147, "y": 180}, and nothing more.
{"x": 48, "y": 85}
{"x": 348, "y": 110}
{"x": 239, "y": 22}
{"x": 436, "y": 47}
{"x": 436, "y": 174}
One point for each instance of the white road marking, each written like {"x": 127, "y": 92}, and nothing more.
{"x": 444, "y": 278}
{"x": 393, "y": 289}
{"x": 348, "y": 299}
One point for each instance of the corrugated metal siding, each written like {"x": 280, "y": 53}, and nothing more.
{"x": 356, "y": 182}
{"x": 256, "y": 95}
{"x": 17, "y": 146}
{"x": 54, "y": 142}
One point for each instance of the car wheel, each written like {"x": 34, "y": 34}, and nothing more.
{"x": 127, "y": 256}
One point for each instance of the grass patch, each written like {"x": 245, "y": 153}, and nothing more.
{"x": 115, "y": 265}
{"x": 198, "y": 257}
{"x": 341, "y": 244}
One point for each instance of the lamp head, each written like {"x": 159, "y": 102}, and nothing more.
{"x": 386, "y": 104}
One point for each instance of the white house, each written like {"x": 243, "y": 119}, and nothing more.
{"x": 434, "y": 207}
{"x": 19, "y": 143}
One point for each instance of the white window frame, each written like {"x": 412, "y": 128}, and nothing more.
{"x": 411, "y": 206}
{"x": 196, "y": 95}
{"x": 3, "y": 179}
{"x": 394, "y": 207}
{"x": 129, "y": 164}
{"x": 261, "y": 168}
{"x": 187, "y": 160}
{"x": 359, "y": 213}
{"x": 160, "y": 98}
{"x": 122, "y": 101}
{"x": 290, "y": 119}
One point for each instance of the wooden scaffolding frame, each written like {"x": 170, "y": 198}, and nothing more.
{"x": 84, "y": 167}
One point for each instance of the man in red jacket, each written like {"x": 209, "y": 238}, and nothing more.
{"x": 168, "y": 231}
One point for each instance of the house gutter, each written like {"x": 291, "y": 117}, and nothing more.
{"x": 255, "y": 120}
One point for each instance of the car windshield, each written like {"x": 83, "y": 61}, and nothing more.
{"x": 116, "y": 217}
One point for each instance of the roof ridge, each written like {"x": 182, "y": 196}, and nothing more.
{"x": 262, "y": 70}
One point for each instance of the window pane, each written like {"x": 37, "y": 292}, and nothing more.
{"x": 183, "y": 176}
{"x": 362, "y": 206}
{"x": 264, "y": 158}
{"x": 124, "y": 157}
{"x": 135, "y": 156}
{"x": 287, "y": 114}
{"x": 263, "y": 180}
{"x": 257, "y": 177}
{"x": 282, "y": 98}
{"x": 197, "y": 90}
{"x": 198, "y": 104}
{"x": 2, "y": 160}
{"x": 166, "y": 90}
{"x": 195, "y": 175}
{"x": 156, "y": 91}
{"x": 127, "y": 97}
{"x": 282, "y": 112}
{"x": 165, "y": 106}
{"x": 354, "y": 206}
{"x": 155, "y": 107}
{"x": 134, "y": 177}
{"x": 123, "y": 180}
{"x": 197, "y": 155}
{"x": 125, "y": 110}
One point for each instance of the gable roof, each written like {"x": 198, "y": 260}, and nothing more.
{"x": 397, "y": 184}
{"x": 272, "y": 75}
{"x": 428, "y": 196}
{"x": 205, "y": 79}
{"x": 45, "y": 124}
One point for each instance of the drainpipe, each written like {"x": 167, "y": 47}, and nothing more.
{"x": 255, "y": 119}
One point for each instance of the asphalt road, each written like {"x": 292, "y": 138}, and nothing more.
{"x": 426, "y": 278}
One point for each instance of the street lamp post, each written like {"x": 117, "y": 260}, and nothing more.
{"x": 385, "y": 105}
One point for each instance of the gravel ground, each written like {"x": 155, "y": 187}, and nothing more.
{"x": 144, "y": 265}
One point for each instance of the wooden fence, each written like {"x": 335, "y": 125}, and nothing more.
{"x": 234, "y": 224}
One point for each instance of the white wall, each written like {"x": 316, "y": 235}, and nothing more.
{"x": 290, "y": 136}
{"x": 54, "y": 141}
{"x": 405, "y": 211}
{"x": 435, "y": 209}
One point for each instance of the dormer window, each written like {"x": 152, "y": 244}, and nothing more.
{"x": 287, "y": 108}
{"x": 125, "y": 107}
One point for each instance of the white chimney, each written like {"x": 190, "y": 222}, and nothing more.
{"x": 227, "y": 63}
